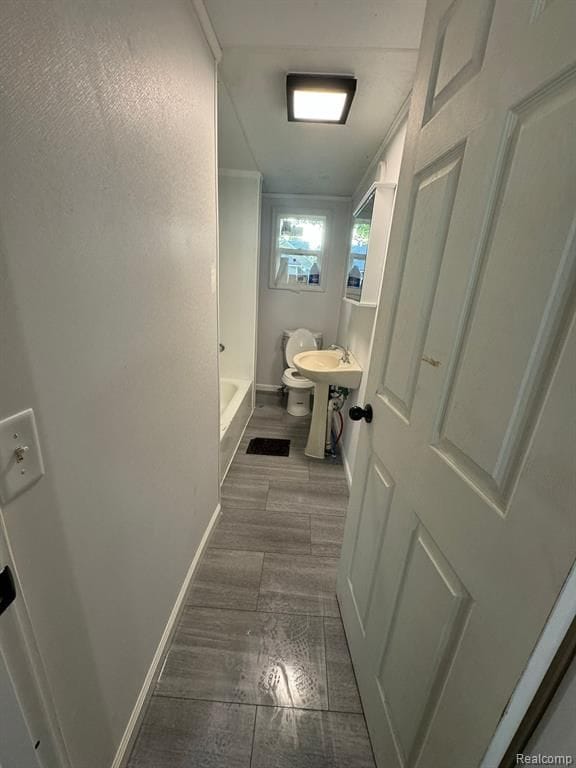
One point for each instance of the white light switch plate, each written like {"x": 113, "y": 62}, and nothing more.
{"x": 21, "y": 462}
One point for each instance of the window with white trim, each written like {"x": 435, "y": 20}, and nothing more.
{"x": 298, "y": 259}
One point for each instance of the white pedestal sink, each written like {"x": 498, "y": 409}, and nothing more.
{"x": 325, "y": 367}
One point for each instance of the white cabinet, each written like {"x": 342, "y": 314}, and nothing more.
{"x": 368, "y": 244}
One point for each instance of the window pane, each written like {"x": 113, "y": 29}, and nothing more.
{"x": 298, "y": 256}
{"x": 359, "y": 245}
{"x": 302, "y": 233}
{"x": 297, "y": 269}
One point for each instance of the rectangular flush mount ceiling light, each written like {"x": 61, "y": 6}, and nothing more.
{"x": 319, "y": 98}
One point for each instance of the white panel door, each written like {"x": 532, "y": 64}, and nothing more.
{"x": 462, "y": 524}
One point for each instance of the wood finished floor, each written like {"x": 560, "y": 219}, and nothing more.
{"x": 258, "y": 674}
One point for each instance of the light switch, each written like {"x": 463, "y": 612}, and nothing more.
{"x": 21, "y": 462}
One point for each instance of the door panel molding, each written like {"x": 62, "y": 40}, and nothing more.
{"x": 422, "y": 266}
{"x": 413, "y": 642}
{"x": 539, "y": 7}
{"x": 495, "y": 478}
{"x": 449, "y": 158}
{"x": 446, "y": 80}
{"x": 377, "y": 474}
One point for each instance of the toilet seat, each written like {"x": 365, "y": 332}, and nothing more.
{"x": 293, "y": 378}
{"x": 301, "y": 340}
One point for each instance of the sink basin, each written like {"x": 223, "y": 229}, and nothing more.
{"x": 325, "y": 366}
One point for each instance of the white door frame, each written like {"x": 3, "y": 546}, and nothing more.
{"x": 548, "y": 644}
{"x": 17, "y": 748}
{"x": 26, "y": 669}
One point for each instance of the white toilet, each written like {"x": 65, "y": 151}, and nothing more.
{"x": 299, "y": 388}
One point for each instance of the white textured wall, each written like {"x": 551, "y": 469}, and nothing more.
{"x": 108, "y": 296}
{"x": 239, "y": 224}
{"x": 233, "y": 149}
{"x": 357, "y": 323}
{"x": 279, "y": 309}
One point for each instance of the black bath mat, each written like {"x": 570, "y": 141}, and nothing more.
{"x": 269, "y": 446}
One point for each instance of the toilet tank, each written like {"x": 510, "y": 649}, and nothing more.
{"x": 286, "y": 335}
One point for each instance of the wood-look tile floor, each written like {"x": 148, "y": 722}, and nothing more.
{"x": 258, "y": 674}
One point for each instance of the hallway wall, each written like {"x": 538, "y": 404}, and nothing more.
{"x": 108, "y": 330}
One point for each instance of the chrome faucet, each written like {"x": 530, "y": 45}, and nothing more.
{"x": 345, "y": 352}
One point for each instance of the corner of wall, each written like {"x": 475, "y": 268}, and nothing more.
{"x": 208, "y": 29}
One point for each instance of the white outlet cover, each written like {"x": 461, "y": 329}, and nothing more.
{"x": 19, "y": 431}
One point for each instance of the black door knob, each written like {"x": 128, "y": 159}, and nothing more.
{"x": 357, "y": 413}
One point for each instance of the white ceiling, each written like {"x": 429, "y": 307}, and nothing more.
{"x": 262, "y": 40}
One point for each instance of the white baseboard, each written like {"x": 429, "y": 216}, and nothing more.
{"x": 135, "y": 720}
{"x": 268, "y": 387}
